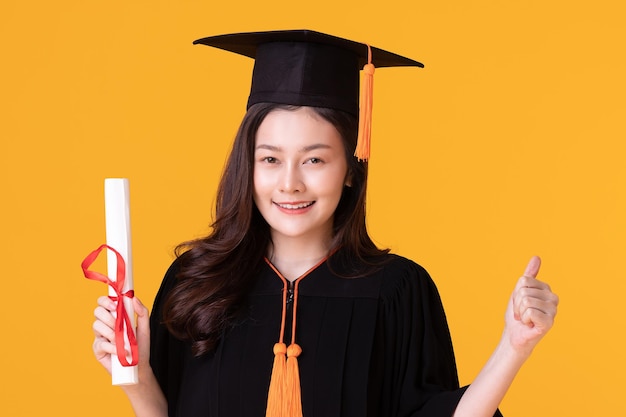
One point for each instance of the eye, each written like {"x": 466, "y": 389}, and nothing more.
{"x": 314, "y": 161}
{"x": 269, "y": 159}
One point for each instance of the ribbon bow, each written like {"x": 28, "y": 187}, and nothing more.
{"x": 122, "y": 320}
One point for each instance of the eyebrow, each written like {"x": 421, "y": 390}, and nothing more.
{"x": 303, "y": 150}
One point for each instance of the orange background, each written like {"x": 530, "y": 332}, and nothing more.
{"x": 510, "y": 143}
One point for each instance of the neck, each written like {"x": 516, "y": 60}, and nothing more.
{"x": 293, "y": 257}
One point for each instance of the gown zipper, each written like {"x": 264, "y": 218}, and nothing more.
{"x": 290, "y": 287}
{"x": 289, "y": 310}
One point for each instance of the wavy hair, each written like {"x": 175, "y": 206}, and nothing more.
{"x": 217, "y": 271}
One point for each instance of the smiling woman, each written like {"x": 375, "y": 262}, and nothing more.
{"x": 289, "y": 265}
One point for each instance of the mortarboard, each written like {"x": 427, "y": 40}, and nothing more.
{"x": 308, "y": 68}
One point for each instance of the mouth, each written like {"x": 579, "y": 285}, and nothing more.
{"x": 295, "y": 205}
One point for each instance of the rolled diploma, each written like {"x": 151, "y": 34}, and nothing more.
{"x": 117, "y": 214}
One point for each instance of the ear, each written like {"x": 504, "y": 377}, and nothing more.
{"x": 348, "y": 181}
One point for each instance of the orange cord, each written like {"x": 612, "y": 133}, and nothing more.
{"x": 284, "y": 398}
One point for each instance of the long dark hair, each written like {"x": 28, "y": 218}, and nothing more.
{"x": 217, "y": 271}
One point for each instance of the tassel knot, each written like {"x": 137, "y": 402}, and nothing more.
{"x": 294, "y": 350}
{"x": 280, "y": 349}
{"x": 368, "y": 69}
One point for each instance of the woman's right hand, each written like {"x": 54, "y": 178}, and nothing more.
{"x": 146, "y": 397}
{"x": 104, "y": 342}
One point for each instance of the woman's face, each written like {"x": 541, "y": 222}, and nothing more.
{"x": 300, "y": 170}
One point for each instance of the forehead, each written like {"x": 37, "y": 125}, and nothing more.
{"x": 295, "y": 129}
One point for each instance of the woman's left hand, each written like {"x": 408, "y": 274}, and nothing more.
{"x": 531, "y": 310}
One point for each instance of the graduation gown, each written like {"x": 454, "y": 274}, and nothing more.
{"x": 375, "y": 346}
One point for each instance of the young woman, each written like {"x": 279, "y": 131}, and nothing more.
{"x": 288, "y": 308}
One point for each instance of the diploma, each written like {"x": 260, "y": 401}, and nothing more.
{"x": 117, "y": 214}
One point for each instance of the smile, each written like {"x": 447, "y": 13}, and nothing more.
{"x": 295, "y": 206}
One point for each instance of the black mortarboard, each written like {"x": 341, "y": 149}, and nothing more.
{"x": 307, "y": 68}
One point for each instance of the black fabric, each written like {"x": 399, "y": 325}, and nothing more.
{"x": 376, "y": 346}
{"x": 305, "y": 74}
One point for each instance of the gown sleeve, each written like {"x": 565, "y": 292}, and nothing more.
{"x": 166, "y": 352}
{"x": 413, "y": 336}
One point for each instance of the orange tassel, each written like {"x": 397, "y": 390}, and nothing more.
{"x": 362, "y": 151}
{"x": 276, "y": 394}
{"x": 292, "y": 383}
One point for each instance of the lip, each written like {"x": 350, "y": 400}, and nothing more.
{"x": 294, "y": 207}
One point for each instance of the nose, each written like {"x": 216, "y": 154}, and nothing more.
{"x": 291, "y": 180}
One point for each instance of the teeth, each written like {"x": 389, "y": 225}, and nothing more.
{"x": 295, "y": 206}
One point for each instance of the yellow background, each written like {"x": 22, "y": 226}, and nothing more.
{"x": 509, "y": 143}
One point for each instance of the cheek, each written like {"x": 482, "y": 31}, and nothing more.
{"x": 256, "y": 185}
{"x": 332, "y": 184}
{"x": 262, "y": 184}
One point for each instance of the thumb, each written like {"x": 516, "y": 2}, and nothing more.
{"x": 532, "y": 269}
{"x": 143, "y": 329}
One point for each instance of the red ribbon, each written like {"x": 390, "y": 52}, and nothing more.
{"x": 122, "y": 319}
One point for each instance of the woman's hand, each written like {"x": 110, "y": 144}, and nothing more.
{"x": 531, "y": 310}
{"x": 146, "y": 397}
{"x": 529, "y": 316}
{"x": 104, "y": 343}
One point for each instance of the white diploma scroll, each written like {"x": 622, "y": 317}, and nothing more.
{"x": 117, "y": 214}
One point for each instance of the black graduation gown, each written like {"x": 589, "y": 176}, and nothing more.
{"x": 376, "y": 346}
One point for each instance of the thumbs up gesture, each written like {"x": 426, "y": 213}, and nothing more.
{"x": 531, "y": 310}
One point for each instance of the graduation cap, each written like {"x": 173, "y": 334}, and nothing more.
{"x": 308, "y": 68}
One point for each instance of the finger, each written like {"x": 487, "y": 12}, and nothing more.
{"x": 539, "y": 317}
{"x": 107, "y": 303}
{"x": 140, "y": 309}
{"x": 102, "y": 347}
{"x": 143, "y": 329}
{"x": 545, "y": 302}
{"x": 529, "y": 282}
{"x": 105, "y": 316}
{"x": 143, "y": 318}
{"x": 532, "y": 269}
{"x": 103, "y": 331}
{"x": 528, "y": 279}
{"x": 535, "y": 294}
{"x": 526, "y": 287}
{"x": 103, "y": 350}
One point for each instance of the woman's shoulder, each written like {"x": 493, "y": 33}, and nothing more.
{"x": 401, "y": 277}
{"x": 388, "y": 269}
{"x": 168, "y": 283}
{"x": 181, "y": 261}
{"x": 397, "y": 267}
{"x": 395, "y": 262}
